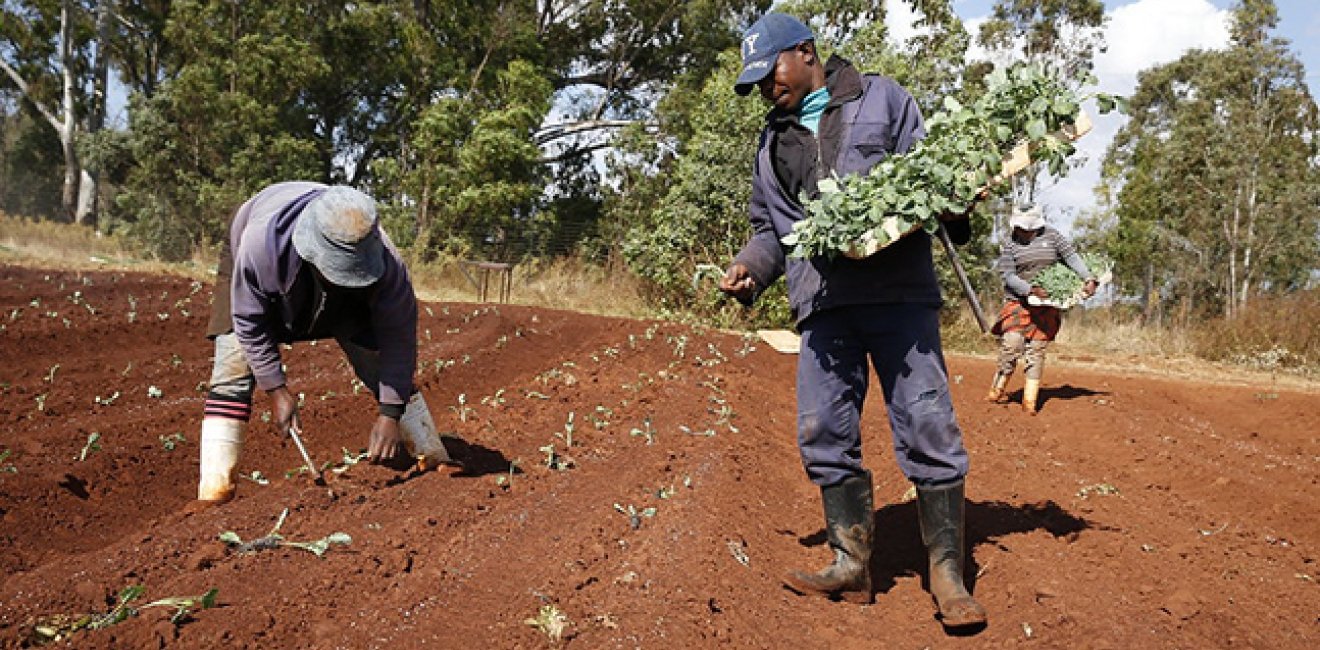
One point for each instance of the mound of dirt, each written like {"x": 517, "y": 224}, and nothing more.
{"x": 625, "y": 484}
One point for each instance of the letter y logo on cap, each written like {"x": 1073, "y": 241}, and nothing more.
{"x": 749, "y": 45}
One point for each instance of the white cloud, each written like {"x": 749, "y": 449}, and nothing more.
{"x": 899, "y": 18}
{"x": 1152, "y": 32}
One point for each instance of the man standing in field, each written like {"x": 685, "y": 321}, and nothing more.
{"x": 1025, "y": 330}
{"x": 304, "y": 262}
{"x": 827, "y": 118}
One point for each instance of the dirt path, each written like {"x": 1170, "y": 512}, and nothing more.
{"x": 1133, "y": 512}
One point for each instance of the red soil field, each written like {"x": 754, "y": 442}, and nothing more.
{"x": 1135, "y": 511}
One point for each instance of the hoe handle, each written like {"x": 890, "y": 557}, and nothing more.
{"x": 968, "y": 291}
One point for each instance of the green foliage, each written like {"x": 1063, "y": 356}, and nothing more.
{"x": 692, "y": 210}
{"x": 60, "y": 627}
{"x": 1063, "y": 285}
{"x": 477, "y": 172}
{"x": 1063, "y": 34}
{"x": 943, "y": 173}
{"x": 30, "y": 166}
{"x": 221, "y": 126}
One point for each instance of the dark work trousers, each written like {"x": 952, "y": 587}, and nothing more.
{"x": 903, "y": 342}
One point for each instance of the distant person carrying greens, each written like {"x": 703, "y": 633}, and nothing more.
{"x": 304, "y": 262}
{"x": 828, "y": 118}
{"x": 1025, "y": 330}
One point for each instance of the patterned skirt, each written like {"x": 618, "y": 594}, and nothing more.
{"x": 1034, "y": 323}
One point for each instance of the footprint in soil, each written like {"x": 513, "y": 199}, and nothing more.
{"x": 76, "y": 486}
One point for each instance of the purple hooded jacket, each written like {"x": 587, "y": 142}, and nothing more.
{"x": 269, "y": 301}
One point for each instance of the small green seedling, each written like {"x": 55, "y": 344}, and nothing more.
{"x": 567, "y": 434}
{"x": 41, "y": 401}
{"x": 554, "y": 460}
{"x": 736, "y": 550}
{"x": 171, "y": 441}
{"x": 274, "y": 539}
{"x": 350, "y": 459}
{"x": 57, "y": 628}
{"x": 5, "y": 466}
{"x": 506, "y": 480}
{"x": 154, "y": 392}
{"x": 462, "y": 409}
{"x": 1104, "y": 489}
{"x": 183, "y": 605}
{"x": 256, "y": 477}
{"x": 646, "y": 431}
{"x": 634, "y": 515}
{"x": 93, "y": 445}
{"x": 748, "y": 341}
{"x": 297, "y": 471}
{"x": 550, "y": 621}
{"x": 680, "y": 345}
{"x": 602, "y": 417}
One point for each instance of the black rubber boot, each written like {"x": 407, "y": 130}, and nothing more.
{"x": 940, "y": 509}
{"x": 849, "y": 525}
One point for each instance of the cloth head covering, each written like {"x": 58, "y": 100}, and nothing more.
{"x": 339, "y": 234}
{"x": 1027, "y": 218}
{"x": 762, "y": 43}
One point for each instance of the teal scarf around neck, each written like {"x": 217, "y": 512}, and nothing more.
{"x": 813, "y": 107}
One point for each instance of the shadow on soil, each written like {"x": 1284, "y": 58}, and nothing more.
{"x": 477, "y": 460}
{"x": 898, "y": 551}
{"x": 1064, "y": 392}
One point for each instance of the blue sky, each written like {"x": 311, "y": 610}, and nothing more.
{"x": 1142, "y": 34}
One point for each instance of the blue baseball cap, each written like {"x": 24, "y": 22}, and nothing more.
{"x": 762, "y": 43}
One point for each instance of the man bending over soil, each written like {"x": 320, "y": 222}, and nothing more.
{"x": 304, "y": 262}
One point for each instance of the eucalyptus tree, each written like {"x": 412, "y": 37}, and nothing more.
{"x": 46, "y": 56}
{"x": 1215, "y": 176}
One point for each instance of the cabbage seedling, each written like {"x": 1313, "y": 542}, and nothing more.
{"x": 550, "y": 621}
{"x": 567, "y": 434}
{"x": 646, "y": 432}
{"x": 634, "y": 515}
{"x": 274, "y": 539}
{"x": 171, "y": 441}
{"x": 56, "y": 628}
{"x": 93, "y": 445}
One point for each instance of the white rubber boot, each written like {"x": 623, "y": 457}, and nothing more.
{"x": 419, "y": 434}
{"x": 1029, "y": 394}
{"x": 222, "y": 441}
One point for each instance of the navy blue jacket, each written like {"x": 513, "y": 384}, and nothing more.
{"x": 868, "y": 118}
